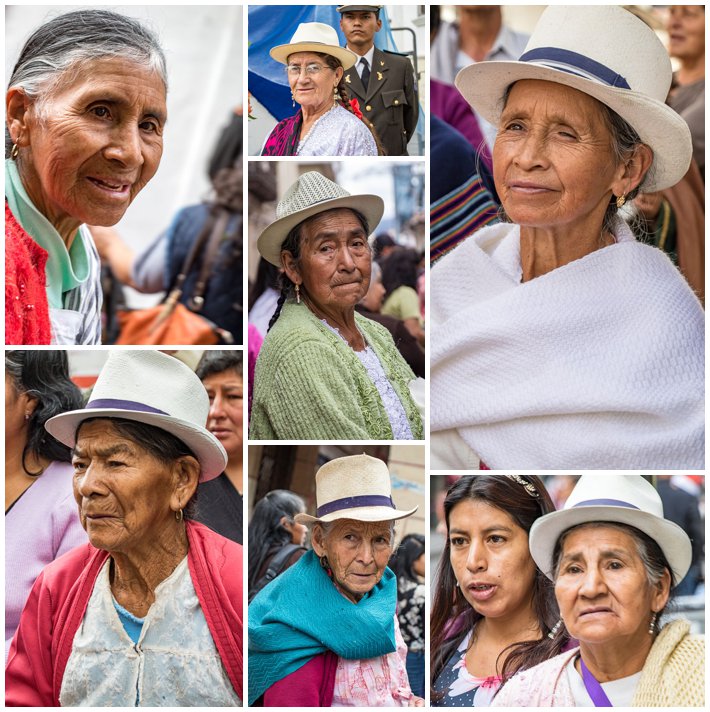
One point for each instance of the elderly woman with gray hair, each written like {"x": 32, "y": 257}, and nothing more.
{"x": 85, "y": 112}
{"x": 325, "y": 632}
{"x": 614, "y": 560}
{"x": 558, "y": 341}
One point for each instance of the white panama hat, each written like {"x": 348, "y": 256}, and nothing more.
{"x": 152, "y": 388}
{"x": 624, "y": 499}
{"x": 608, "y": 53}
{"x": 354, "y": 487}
{"x": 314, "y": 37}
{"x": 311, "y": 194}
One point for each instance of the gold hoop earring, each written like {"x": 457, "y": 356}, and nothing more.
{"x": 179, "y": 516}
{"x": 621, "y": 200}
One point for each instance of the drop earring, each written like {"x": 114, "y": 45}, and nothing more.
{"x": 652, "y": 626}
{"x": 555, "y": 629}
{"x": 298, "y": 294}
{"x": 621, "y": 200}
{"x": 293, "y": 100}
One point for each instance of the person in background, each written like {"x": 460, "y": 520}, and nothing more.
{"x": 41, "y": 518}
{"x": 276, "y": 540}
{"x": 682, "y": 508}
{"x": 264, "y": 295}
{"x": 219, "y": 500}
{"x": 409, "y": 565}
{"x": 399, "y": 277}
{"x": 383, "y": 82}
{"x": 370, "y": 306}
{"x": 382, "y": 245}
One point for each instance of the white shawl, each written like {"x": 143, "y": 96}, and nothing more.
{"x": 598, "y": 364}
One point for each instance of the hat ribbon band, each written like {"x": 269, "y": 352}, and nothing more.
{"x": 573, "y": 63}
{"x": 364, "y": 500}
{"x": 122, "y": 405}
{"x": 607, "y": 502}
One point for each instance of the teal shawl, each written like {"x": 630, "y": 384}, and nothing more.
{"x": 301, "y": 614}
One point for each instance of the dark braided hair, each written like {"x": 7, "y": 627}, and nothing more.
{"x": 292, "y": 244}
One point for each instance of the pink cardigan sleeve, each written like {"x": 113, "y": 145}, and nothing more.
{"x": 310, "y": 686}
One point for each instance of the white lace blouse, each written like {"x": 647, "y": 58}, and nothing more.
{"x": 337, "y": 133}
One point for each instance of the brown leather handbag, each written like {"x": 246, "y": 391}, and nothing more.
{"x": 172, "y": 323}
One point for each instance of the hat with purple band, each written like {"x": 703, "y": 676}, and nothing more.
{"x": 354, "y": 487}
{"x": 152, "y": 388}
{"x": 621, "y": 499}
{"x": 608, "y": 53}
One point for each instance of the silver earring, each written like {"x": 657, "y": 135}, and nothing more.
{"x": 27, "y": 416}
{"x": 652, "y": 626}
{"x": 458, "y": 585}
{"x": 293, "y": 100}
{"x": 298, "y": 294}
{"x": 555, "y": 629}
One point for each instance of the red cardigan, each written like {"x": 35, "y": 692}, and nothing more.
{"x": 26, "y": 305}
{"x": 55, "y": 608}
{"x": 312, "y": 685}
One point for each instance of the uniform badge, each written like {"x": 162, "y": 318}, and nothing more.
{"x": 347, "y": 79}
{"x": 379, "y": 76}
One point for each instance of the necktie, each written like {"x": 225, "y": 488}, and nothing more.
{"x": 365, "y": 76}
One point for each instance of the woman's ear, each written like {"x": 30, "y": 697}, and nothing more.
{"x": 662, "y": 592}
{"x": 634, "y": 170}
{"x": 338, "y": 75}
{"x": 290, "y": 267}
{"x": 17, "y": 105}
{"x": 317, "y": 540}
{"x": 186, "y": 472}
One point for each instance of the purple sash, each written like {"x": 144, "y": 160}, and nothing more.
{"x": 283, "y": 140}
{"x": 594, "y": 688}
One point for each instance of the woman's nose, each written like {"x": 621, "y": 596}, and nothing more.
{"x": 366, "y": 552}
{"x": 346, "y": 259}
{"x": 125, "y": 146}
{"x": 592, "y": 584}
{"x": 216, "y": 408}
{"x": 531, "y": 152}
{"x": 90, "y": 482}
{"x": 476, "y": 560}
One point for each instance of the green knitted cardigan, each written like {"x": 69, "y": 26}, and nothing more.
{"x": 310, "y": 385}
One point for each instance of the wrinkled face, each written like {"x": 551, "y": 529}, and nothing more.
{"x": 686, "y": 31}
{"x": 603, "y": 590}
{"x": 226, "y": 416}
{"x": 552, "y": 160}
{"x": 359, "y": 28}
{"x": 311, "y": 80}
{"x": 334, "y": 269}
{"x": 94, "y": 143}
{"x": 490, "y": 559}
{"x": 124, "y": 494}
{"x": 357, "y": 552}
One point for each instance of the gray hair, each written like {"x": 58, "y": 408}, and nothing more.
{"x": 66, "y": 44}
{"x": 650, "y": 553}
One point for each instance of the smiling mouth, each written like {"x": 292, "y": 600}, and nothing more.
{"x": 110, "y": 186}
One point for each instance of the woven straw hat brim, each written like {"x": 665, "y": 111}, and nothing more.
{"x": 484, "y": 85}
{"x": 209, "y": 451}
{"x": 281, "y": 53}
{"x": 270, "y": 241}
{"x": 362, "y": 514}
{"x": 545, "y": 532}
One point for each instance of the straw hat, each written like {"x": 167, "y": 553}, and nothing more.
{"x": 315, "y": 37}
{"x": 311, "y": 194}
{"x": 153, "y": 388}
{"x": 626, "y": 499}
{"x": 608, "y": 53}
{"x": 354, "y": 487}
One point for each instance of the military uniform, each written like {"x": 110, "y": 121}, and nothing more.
{"x": 389, "y": 103}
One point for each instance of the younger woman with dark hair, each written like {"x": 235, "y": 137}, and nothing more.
{"x": 494, "y": 611}
{"x": 399, "y": 278}
{"x": 276, "y": 541}
{"x": 409, "y": 565}
{"x": 41, "y": 519}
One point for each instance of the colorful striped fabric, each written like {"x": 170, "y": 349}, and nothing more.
{"x": 458, "y": 214}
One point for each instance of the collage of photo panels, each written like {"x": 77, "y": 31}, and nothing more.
{"x": 355, "y": 355}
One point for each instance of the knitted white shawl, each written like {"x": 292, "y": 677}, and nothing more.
{"x": 596, "y": 365}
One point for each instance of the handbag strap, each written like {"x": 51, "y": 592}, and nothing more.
{"x": 213, "y": 243}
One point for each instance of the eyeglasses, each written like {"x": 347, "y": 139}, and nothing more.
{"x": 312, "y": 69}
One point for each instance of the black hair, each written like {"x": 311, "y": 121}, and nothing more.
{"x": 266, "y": 530}
{"x": 400, "y": 268}
{"x": 213, "y": 362}
{"x": 44, "y": 376}
{"x": 161, "y": 444}
{"x": 402, "y": 561}
{"x": 524, "y": 499}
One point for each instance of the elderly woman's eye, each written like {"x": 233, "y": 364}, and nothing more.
{"x": 151, "y": 126}
{"x": 78, "y": 465}
{"x": 101, "y": 111}
{"x": 116, "y": 463}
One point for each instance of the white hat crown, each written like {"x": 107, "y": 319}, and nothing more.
{"x": 585, "y": 40}
{"x": 310, "y": 189}
{"x": 628, "y": 491}
{"x": 315, "y": 32}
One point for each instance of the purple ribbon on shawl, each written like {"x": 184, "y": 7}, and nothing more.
{"x": 123, "y": 405}
{"x": 365, "y": 500}
{"x": 594, "y": 687}
{"x": 283, "y": 140}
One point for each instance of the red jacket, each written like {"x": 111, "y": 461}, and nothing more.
{"x": 26, "y": 305}
{"x": 55, "y": 608}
